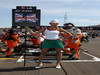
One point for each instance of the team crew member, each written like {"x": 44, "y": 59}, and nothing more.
{"x": 36, "y": 39}
{"x": 11, "y": 40}
{"x": 74, "y": 41}
{"x": 52, "y": 40}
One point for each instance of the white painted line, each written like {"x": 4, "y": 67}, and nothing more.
{"x": 20, "y": 59}
{"x": 94, "y": 57}
{"x": 66, "y": 61}
{"x": 53, "y": 61}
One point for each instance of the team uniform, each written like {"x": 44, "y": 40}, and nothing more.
{"x": 11, "y": 41}
{"x": 72, "y": 43}
{"x": 35, "y": 38}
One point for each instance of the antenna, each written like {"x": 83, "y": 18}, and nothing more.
{"x": 65, "y": 17}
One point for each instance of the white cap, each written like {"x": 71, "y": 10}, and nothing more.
{"x": 70, "y": 25}
{"x": 54, "y": 21}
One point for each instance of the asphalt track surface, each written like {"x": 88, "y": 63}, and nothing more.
{"x": 89, "y": 63}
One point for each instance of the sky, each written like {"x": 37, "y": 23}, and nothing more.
{"x": 78, "y": 12}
